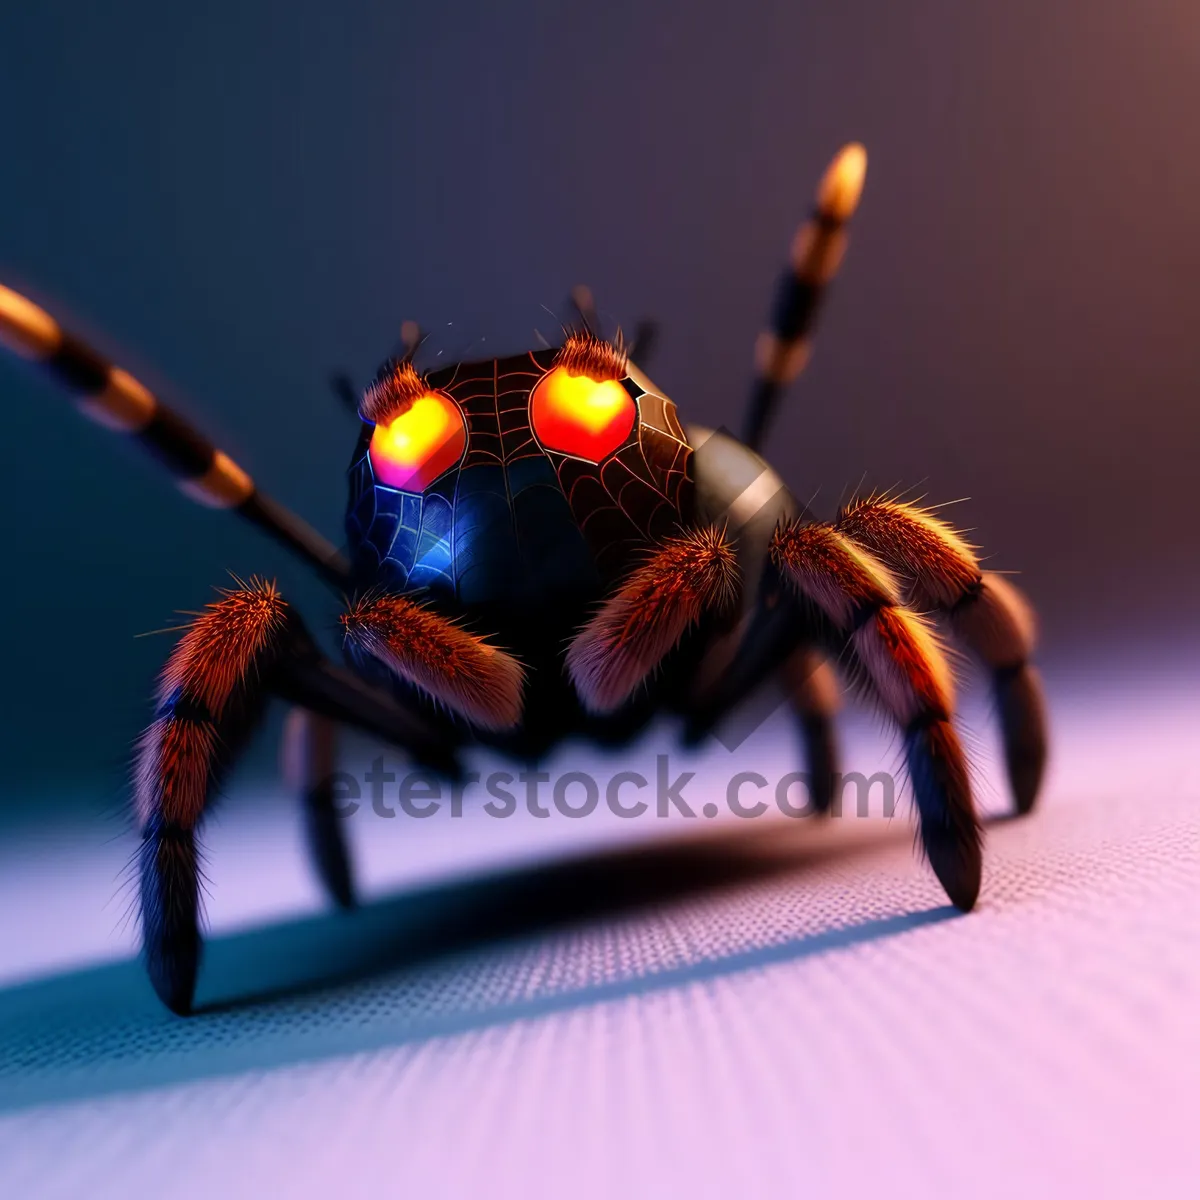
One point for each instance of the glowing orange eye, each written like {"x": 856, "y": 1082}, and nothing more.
{"x": 578, "y": 415}
{"x": 411, "y": 450}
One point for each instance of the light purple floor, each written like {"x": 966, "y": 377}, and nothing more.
{"x": 819, "y": 1024}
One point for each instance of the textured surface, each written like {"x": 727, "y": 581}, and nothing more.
{"x": 783, "y": 1010}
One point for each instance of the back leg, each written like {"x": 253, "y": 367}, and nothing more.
{"x": 812, "y": 689}
{"x": 902, "y": 668}
{"x": 986, "y": 612}
{"x": 309, "y": 755}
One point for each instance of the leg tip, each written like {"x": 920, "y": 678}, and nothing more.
{"x": 174, "y": 981}
{"x": 342, "y": 894}
{"x": 330, "y": 854}
{"x": 958, "y": 865}
{"x": 1022, "y": 704}
{"x": 1025, "y": 788}
{"x": 949, "y": 828}
{"x": 171, "y": 941}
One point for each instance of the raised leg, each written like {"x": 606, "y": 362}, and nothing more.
{"x": 986, "y": 612}
{"x": 111, "y": 396}
{"x": 308, "y": 757}
{"x": 783, "y": 348}
{"x": 902, "y": 667}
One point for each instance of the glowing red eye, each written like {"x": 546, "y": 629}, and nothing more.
{"x": 411, "y": 450}
{"x": 578, "y": 415}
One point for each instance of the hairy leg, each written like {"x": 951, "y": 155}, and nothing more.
{"x": 466, "y": 674}
{"x": 209, "y": 699}
{"x": 232, "y": 657}
{"x": 903, "y": 668}
{"x": 643, "y": 620}
{"x": 986, "y": 612}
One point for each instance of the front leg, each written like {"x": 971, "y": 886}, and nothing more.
{"x": 903, "y": 668}
{"x": 209, "y": 700}
{"x": 239, "y": 651}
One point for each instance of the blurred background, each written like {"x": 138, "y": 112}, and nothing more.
{"x": 235, "y": 200}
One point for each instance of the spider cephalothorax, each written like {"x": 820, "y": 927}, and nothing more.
{"x": 519, "y": 484}
{"x": 509, "y": 495}
{"x": 538, "y": 548}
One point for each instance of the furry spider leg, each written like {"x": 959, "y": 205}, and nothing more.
{"x": 903, "y": 668}
{"x": 643, "y": 620}
{"x": 985, "y": 612}
{"x": 112, "y": 397}
{"x": 241, "y": 650}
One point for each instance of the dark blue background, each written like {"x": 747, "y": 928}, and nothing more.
{"x": 235, "y": 198}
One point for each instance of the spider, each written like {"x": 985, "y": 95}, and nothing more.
{"x": 537, "y": 548}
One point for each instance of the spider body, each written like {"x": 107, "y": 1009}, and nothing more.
{"x": 538, "y": 548}
{"x": 522, "y": 540}
{"x": 514, "y": 532}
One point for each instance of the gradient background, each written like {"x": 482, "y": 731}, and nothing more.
{"x": 234, "y": 199}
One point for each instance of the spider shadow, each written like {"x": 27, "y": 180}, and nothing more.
{"x": 415, "y": 930}
{"x": 344, "y": 983}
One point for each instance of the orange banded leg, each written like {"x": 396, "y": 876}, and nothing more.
{"x": 783, "y": 348}
{"x": 238, "y": 652}
{"x": 112, "y": 397}
{"x": 904, "y": 669}
{"x": 208, "y": 702}
{"x": 986, "y": 612}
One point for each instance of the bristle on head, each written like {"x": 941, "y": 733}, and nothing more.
{"x": 585, "y": 354}
{"x": 397, "y": 387}
{"x": 635, "y": 629}
{"x": 478, "y": 681}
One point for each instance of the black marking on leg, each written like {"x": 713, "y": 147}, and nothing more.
{"x": 186, "y": 453}
{"x": 795, "y": 310}
{"x": 170, "y": 907}
{"x": 78, "y": 367}
{"x": 180, "y": 707}
{"x": 950, "y": 831}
